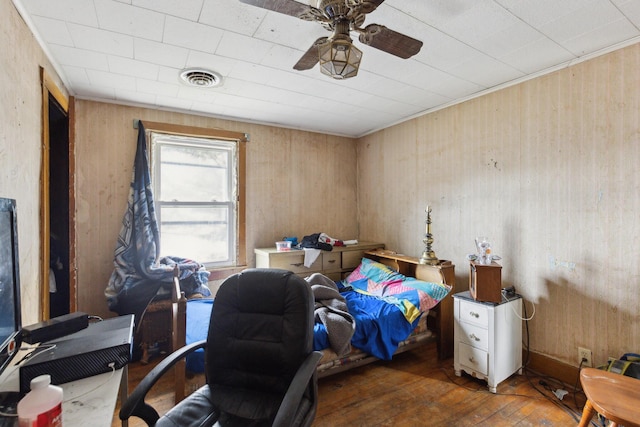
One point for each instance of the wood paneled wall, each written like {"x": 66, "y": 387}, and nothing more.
{"x": 21, "y": 144}
{"x": 297, "y": 183}
{"x": 548, "y": 170}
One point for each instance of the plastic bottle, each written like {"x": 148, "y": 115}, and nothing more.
{"x": 487, "y": 254}
{"x": 42, "y": 406}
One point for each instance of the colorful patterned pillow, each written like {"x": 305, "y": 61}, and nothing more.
{"x": 411, "y": 295}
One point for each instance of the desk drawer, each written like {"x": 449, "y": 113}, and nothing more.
{"x": 294, "y": 261}
{"x": 474, "y": 313}
{"x": 331, "y": 261}
{"x": 351, "y": 259}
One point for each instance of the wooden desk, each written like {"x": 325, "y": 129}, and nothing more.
{"x": 444, "y": 272}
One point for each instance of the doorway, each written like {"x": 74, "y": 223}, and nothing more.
{"x": 58, "y": 209}
{"x": 57, "y": 204}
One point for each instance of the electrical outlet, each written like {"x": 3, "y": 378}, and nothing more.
{"x": 584, "y": 354}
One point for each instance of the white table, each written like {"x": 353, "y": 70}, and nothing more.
{"x": 88, "y": 401}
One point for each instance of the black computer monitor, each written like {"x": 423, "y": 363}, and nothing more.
{"x": 10, "y": 319}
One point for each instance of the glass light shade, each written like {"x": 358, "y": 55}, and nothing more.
{"x": 339, "y": 59}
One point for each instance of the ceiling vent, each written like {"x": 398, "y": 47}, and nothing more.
{"x": 198, "y": 77}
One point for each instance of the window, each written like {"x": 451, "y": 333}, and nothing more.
{"x": 197, "y": 183}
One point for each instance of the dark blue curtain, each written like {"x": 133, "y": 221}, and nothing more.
{"x": 138, "y": 273}
{"x": 137, "y": 245}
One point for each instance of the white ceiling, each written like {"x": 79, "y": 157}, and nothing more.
{"x": 131, "y": 52}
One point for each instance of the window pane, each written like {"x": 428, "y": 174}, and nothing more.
{"x": 196, "y": 232}
{"x": 193, "y": 174}
{"x": 195, "y": 187}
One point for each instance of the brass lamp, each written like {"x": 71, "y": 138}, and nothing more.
{"x": 428, "y": 255}
{"x": 338, "y": 57}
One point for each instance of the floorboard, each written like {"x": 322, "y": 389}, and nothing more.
{"x": 414, "y": 389}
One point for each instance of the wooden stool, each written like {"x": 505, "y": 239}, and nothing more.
{"x": 614, "y": 396}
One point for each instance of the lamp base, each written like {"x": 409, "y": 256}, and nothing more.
{"x": 429, "y": 258}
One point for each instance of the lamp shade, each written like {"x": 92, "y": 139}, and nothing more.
{"x": 339, "y": 58}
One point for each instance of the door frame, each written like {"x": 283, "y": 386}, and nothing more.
{"x": 50, "y": 88}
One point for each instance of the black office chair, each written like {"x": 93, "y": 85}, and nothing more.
{"x": 259, "y": 360}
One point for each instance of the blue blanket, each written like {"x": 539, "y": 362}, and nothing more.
{"x": 380, "y": 326}
{"x": 198, "y": 315}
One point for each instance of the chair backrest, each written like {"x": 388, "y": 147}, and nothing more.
{"x": 261, "y": 330}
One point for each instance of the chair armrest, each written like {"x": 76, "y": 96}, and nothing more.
{"x": 135, "y": 404}
{"x": 294, "y": 393}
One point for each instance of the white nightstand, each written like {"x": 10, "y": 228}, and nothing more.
{"x": 487, "y": 338}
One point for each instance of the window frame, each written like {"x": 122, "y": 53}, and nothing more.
{"x": 240, "y": 139}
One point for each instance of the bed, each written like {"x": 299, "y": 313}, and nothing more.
{"x": 397, "y": 303}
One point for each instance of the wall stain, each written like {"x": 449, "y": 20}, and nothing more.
{"x": 493, "y": 163}
{"x": 555, "y": 263}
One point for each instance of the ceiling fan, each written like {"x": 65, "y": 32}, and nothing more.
{"x": 337, "y": 55}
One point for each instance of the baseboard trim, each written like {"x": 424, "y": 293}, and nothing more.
{"x": 548, "y": 366}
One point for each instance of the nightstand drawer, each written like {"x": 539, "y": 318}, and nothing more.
{"x": 294, "y": 261}
{"x": 474, "y": 313}
{"x": 474, "y": 358}
{"x": 331, "y": 261}
{"x": 474, "y": 336}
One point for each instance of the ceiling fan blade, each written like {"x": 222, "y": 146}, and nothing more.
{"x": 310, "y": 57}
{"x": 389, "y": 41}
{"x": 288, "y": 7}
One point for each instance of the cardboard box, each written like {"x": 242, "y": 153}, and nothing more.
{"x": 485, "y": 282}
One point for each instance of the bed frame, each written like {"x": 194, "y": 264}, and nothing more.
{"x": 439, "y": 325}
{"x": 439, "y": 321}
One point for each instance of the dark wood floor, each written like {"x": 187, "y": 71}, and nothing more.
{"x": 415, "y": 389}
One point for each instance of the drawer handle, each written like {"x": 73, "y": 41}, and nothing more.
{"x": 472, "y": 314}
{"x": 472, "y": 360}
{"x": 474, "y": 337}
{"x": 332, "y": 261}
{"x": 297, "y": 264}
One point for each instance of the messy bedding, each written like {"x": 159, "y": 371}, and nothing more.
{"x": 372, "y": 311}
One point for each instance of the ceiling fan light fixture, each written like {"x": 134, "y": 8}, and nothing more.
{"x": 339, "y": 58}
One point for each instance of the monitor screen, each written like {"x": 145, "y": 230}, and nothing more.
{"x": 10, "y": 320}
